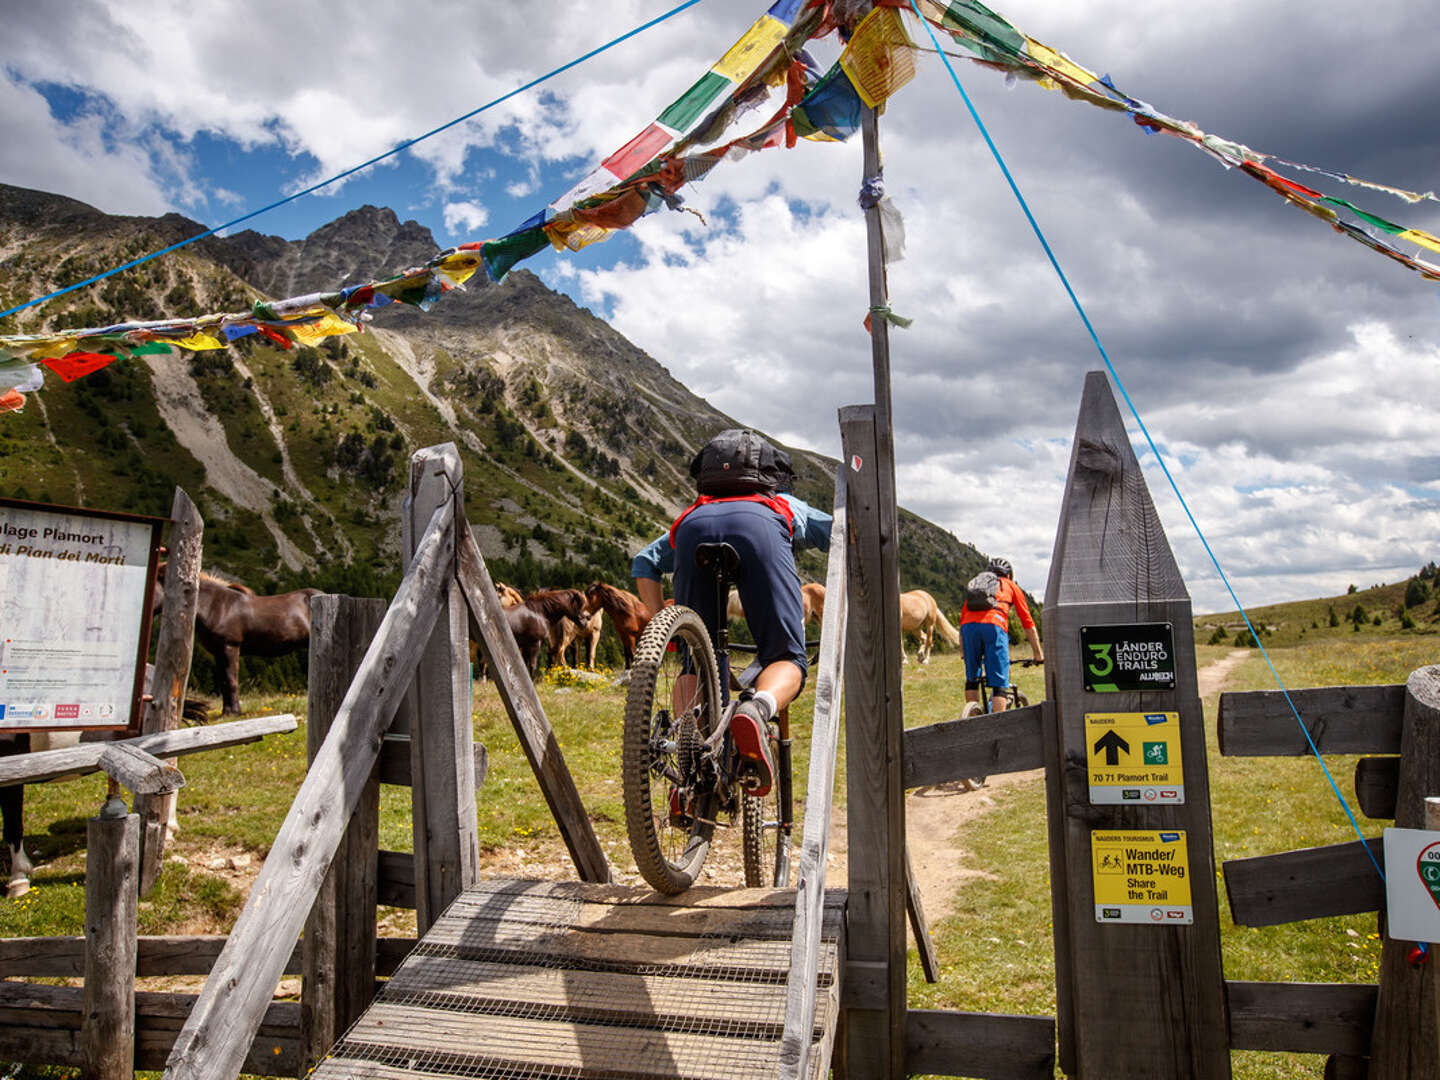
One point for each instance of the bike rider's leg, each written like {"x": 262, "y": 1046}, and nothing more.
{"x": 997, "y": 667}
{"x": 972, "y": 644}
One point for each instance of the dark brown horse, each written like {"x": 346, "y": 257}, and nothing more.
{"x": 626, "y": 612}
{"x": 230, "y": 619}
{"x": 555, "y": 606}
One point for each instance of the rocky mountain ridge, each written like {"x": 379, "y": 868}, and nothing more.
{"x": 574, "y": 441}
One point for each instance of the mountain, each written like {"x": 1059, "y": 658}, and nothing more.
{"x": 575, "y": 443}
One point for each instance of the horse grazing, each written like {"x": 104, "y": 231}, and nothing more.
{"x": 577, "y": 633}
{"x": 626, "y": 610}
{"x": 231, "y": 618}
{"x": 509, "y": 596}
{"x": 12, "y": 803}
{"x": 556, "y": 607}
{"x": 921, "y": 615}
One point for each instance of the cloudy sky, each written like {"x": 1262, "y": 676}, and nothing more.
{"x": 1290, "y": 375}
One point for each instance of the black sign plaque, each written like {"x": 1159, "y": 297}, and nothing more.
{"x": 1128, "y": 657}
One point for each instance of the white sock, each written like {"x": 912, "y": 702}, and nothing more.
{"x": 767, "y": 699}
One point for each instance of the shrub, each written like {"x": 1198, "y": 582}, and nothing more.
{"x": 1416, "y": 593}
{"x": 1218, "y": 636}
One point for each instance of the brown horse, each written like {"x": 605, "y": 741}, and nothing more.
{"x": 812, "y": 601}
{"x": 586, "y": 632}
{"x": 626, "y": 612}
{"x": 231, "y": 618}
{"x": 921, "y": 615}
{"x": 557, "y": 606}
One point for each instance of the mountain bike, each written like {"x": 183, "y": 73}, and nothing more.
{"x": 978, "y": 708}
{"x": 680, "y": 771}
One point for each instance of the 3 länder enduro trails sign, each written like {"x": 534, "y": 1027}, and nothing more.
{"x": 1138, "y": 656}
{"x": 74, "y": 616}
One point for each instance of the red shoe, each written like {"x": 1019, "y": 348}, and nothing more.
{"x": 752, "y": 743}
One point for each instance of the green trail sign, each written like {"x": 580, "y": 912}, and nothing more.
{"x": 1128, "y": 657}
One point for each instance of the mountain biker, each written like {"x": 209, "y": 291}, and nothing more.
{"x": 985, "y": 633}
{"x": 743, "y": 499}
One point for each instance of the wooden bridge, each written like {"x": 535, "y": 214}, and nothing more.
{"x": 539, "y": 978}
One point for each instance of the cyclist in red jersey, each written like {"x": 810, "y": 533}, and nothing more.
{"x": 985, "y": 635}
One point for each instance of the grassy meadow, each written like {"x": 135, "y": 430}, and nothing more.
{"x": 995, "y": 949}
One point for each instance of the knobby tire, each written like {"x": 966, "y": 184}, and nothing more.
{"x": 668, "y": 858}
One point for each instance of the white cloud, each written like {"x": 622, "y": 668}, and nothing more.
{"x": 465, "y": 217}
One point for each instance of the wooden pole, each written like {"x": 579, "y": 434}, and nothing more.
{"x": 1142, "y": 998}
{"x": 173, "y": 653}
{"x": 875, "y": 925}
{"x": 1404, "y": 1046}
{"x": 112, "y": 858}
{"x": 446, "y": 831}
{"x": 338, "y": 950}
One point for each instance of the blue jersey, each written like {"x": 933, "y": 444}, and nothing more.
{"x": 812, "y": 529}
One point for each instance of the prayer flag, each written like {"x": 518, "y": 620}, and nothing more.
{"x": 73, "y": 365}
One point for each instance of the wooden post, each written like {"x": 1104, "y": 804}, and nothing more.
{"x": 442, "y": 790}
{"x": 1404, "y": 1044}
{"x": 339, "y": 945}
{"x": 112, "y": 859}
{"x": 172, "y": 670}
{"x": 875, "y": 942}
{"x": 1135, "y": 1000}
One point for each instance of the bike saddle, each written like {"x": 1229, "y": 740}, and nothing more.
{"x": 719, "y": 557}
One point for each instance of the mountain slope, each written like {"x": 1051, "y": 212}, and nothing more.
{"x": 575, "y": 443}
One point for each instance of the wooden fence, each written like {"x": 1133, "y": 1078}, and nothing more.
{"x": 1151, "y": 1001}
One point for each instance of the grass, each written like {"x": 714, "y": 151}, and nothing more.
{"x": 995, "y": 948}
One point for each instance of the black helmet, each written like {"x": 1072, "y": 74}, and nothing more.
{"x": 1001, "y": 567}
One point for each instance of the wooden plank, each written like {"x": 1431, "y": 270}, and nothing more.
{"x": 1406, "y": 1042}
{"x": 1340, "y": 719}
{"x": 395, "y": 879}
{"x": 217, "y": 1034}
{"x": 982, "y": 1045}
{"x": 471, "y": 1041}
{"x": 919, "y": 925}
{"x": 527, "y": 715}
{"x": 339, "y": 943}
{"x": 1344, "y": 1067}
{"x": 873, "y": 722}
{"x": 985, "y": 745}
{"x": 56, "y": 957}
{"x": 112, "y": 882}
{"x": 84, "y": 759}
{"x": 1377, "y": 786}
{"x": 1303, "y": 1018}
{"x": 1308, "y": 883}
{"x": 173, "y": 653}
{"x": 1144, "y": 1000}
{"x": 800, "y": 1000}
{"x": 40, "y": 1025}
{"x": 139, "y": 772}
{"x": 395, "y": 761}
{"x": 445, "y": 828}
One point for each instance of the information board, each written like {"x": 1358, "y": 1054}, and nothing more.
{"x": 1128, "y": 657}
{"x": 74, "y": 616}
{"x": 1412, "y": 884}
{"x": 1141, "y": 876}
{"x": 1134, "y": 757}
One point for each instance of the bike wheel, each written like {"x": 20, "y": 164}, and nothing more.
{"x": 765, "y": 862}
{"x": 972, "y": 708}
{"x": 665, "y": 722}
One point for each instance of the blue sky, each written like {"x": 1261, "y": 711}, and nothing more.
{"x": 1288, "y": 372}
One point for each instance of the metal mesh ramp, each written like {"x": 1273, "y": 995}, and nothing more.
{"x": 560, "y": 979}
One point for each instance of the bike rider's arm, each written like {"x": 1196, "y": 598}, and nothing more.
{"x": 647, "y": 567}
{"x": 812, "y": 527}
{"x": 1027, "y": 622}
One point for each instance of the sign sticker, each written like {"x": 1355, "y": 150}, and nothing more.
{"x": 1134, "y": 758}
{"x": 1412, "y": 884}
{"x": 1128, "y": 657}
{"x": 1141, "y": 876}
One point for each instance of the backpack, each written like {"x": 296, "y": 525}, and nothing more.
{"x": 981, "y": 591}
{"x": 740, "y": 462}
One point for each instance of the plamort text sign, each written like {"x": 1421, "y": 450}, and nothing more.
{"x": 1128, "y": 657}
{"x": 1141, "y": 876}
{"x": 74, "y": 616}
{"x": 1134, "y": 758}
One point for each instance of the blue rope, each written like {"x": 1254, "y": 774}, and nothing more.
{"x": 1154, "y": 449}
{"x": 351, "y": 171}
